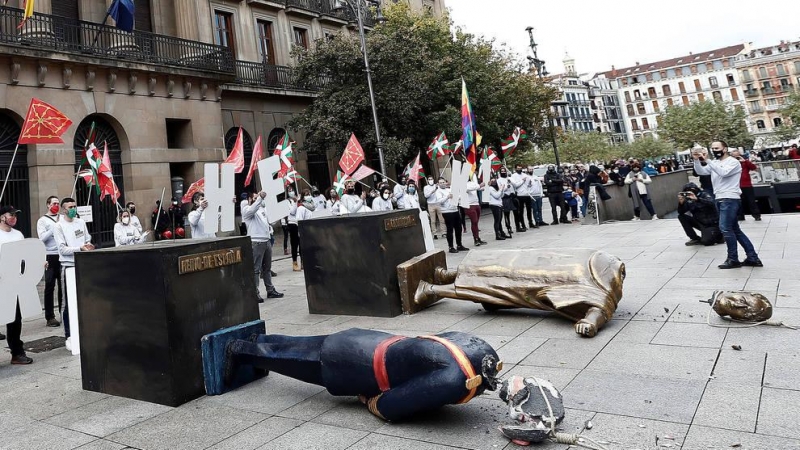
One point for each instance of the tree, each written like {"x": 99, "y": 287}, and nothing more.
{"x": 790, "y": 112}
{"x": 704, "y": 122}
{"x": 648, "y": 148}
{"x": 417, "y": 64}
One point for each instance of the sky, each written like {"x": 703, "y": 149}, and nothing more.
{"x": 598, "y": 34}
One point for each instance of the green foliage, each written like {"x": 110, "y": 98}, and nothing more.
{"x": 704, "y": 122}
{"x": 790, "y": 112}
{"x": 648, "y": 148}
{"x": 417, "y": 64}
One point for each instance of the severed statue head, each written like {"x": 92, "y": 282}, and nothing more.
{"x": 535, "y": 406}
{"x": 741, "y": 305}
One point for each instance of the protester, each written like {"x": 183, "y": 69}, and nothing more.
{"x": 352, "y": 203}
{"x": 410, "y": 200}
{"x": 434, "y": 198}
{"x": 52, "y": 275}
{"x": 555, "y": 193}
{"x": 522, "y": 185}
{"x": 125, "y": 233}
{"x": 71, "y": 237}
{"x": 496, "y": 205}
{"x": 159, "y": 220}
{"x": 8, "y": 220}
{"x": 254, "y": 214}
{"x": 399, "y": 192}
{"x": 537, "y": 193}
{"x": 197, "y": 217}
{"x": 320, "y": 202}
{"x": 334, "y": 203}
{"x": 474, "y": 211}
{"x": 696, "y": 211}
{"x": 452, "y": 219}
{"x": 384, "y": 201}
{"x": 294, "y": 234}
{"x": 175, "y": 216}
{"x": 746, "y": 186}
{"x": 725, "y": 174}
{"x": 509, "y": 205}
{"x": 131, "y": 207}
{"x": 637, "y": 182}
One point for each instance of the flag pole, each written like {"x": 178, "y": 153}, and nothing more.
{"x": 102, "y": 27}
{"x": 441, "y": 174}
{"x": 8, "y": 173}
{"x": 160, "y": 208}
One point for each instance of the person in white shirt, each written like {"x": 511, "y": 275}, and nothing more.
{"x": 319, "y": 200}
{"x": 197, "y": 217}
{"x": 434, "y": 197}
{"x": 124, "y": 231}
{"x": 8, "y": 220}
{"x": 537, "y": 194}
{"x": 474, "y": 211}
{"x": 254, "y": 215}
{"x": 522, "y": 186}
{"x": 52, "y": 275}
{"x": 334, "y": 203}
{"x": 410, "y": 199}
{"x": 637, "y": 180}
{"x": 300, "y": 210}
{"x": 131, "y": 207}
{"x": 71, "y": 237}
{"x": 352, "y": 203}
{"x": 496, "y": 205}
{"x": 399, "y": 192}
{"x": 726, "y": 174}
{"x": 452, "y": 218}
{"x": 384, "y": 200}
{"x": 504, "y": 183}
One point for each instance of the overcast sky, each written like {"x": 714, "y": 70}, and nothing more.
{"x": 599, "y": 34}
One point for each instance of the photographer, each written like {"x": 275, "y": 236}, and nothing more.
{"x": 696, "y": 210}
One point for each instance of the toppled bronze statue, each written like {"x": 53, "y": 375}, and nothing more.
{"x": 395, "y": 376}
{"x": 582, "y": 285}
{"x": 741, "y": 305}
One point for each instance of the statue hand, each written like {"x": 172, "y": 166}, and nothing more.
{"x": 586, "y": 329}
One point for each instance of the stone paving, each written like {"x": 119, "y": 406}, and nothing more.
{"x": 657, "y": 376}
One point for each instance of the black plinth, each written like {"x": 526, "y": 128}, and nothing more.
{"x": 350, "y": 262}
{"x": 143, "y": 310}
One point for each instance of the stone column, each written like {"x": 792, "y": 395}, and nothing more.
{"x": 186, "y": 20}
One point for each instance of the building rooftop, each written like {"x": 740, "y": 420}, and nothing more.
{"x": 691, "y": 58}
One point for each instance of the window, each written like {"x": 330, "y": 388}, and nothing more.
{"x": 681, "y": 87}
{"x": 734, "y": 95}
{"x": 766, "y": 86}
{"x": 697, "y": 86}
{"x": 656, "y": 76}
{"x": 685, "y": 100}
{"x": 627, "y": 96}
{"x": 693, "y": 69}
{"x": 731, "y": 80}
{"x": 669, "y": 102}
{"x": 755, "y": 105}
{"x": 265, "y": 44}
{"x": 670, "y": 73}
{"x": 781, "y": 70}
{"x": 179, "y": 133}
{"x": 652, "y": 92}
{"x": 300, "y": 37}
{"x": 772, "y": 102}
{"x": 667, "y": 90}
{"x": 701, "y": 98}
{"x": 656, "y": 108}
{"x": 713, "y": 82}
{"x": 762, "y": 72}
{"x": 640, "y": 108}
{"x": 637, "y": 95}
{"x": 223, "y": 30}
{"x": 717, "y": 96}
{"x": 634, "y": 124}
{"x": 702, "y": 68}
{"x": 784, "y": 82}
{"x": 777, "y": 121}
{"x": 746, "y": 75}
{"x": 797, "y": 67}
{"x": 760, "y": 124}
{"x": 718, "y": 65}
{"x": 645, "y": 123}
{"x": 686, "y": 71}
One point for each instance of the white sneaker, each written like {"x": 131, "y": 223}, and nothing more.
{"x": 655, "y": 217}
{"x": 68, "y": 344}
{"x": 636, "y": 218}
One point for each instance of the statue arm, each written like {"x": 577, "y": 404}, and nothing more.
{"x": 423, "y": 393}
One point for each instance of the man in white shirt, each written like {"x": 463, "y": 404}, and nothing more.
{"x": 254, "y": 215}
{"x": 725, "y": 174}
{"x": 131, "y": 207}
{"x": 434, "y": 195}
{"x": 522, "y": 184}
{"x": 351, "y": 203}
{"x": 537, "y": 194}
{"x": 197, "y": 217}
{"x": 52, "y": 275}
{"x": 71, "y": 237}
{"x": 8, "y": 219}
{"x": 399, "y": 192}
{"x": 320, "y": 202}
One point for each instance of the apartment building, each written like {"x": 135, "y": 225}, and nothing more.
{"x": 572, "y": 111}
{"x": 606, "y": 109}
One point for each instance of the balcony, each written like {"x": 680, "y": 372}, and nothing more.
{"x": 751, "y": 93}
{"x": 787, "y": 87}
{"x": 270, "y": 76}
{"x": 579, "y": 102}
{"x": 325, "y": 9}
{"x": 773, "y": 107}
{"x": 46, "y": 33}
{"x": 768, "y": 91}
{"x": 756, "y": 110}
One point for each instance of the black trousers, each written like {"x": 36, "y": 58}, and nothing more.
{"x": 452, "y": 221}
{"x": 285, "y": 237}
{"x": 525, "y": 205}
{"x": 708, "y": 235}
{"x": 519, "y": 213}
{"x": 294, "y": 238}
{"x": 52, "y": 278}
{"x": 749, "y": 201}
{"x": 557, "y": 200}
{"x": 497, "y": 214}
{"x": 13, "y": 333}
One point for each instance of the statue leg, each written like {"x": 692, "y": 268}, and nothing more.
{"x": 591, "y": 323}
{"x": 296, "y": 357}
{"x": 443, "y": 276}
{"x": 428, "y": 294}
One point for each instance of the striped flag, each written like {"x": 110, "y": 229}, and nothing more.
{"x": 339, "y": 182}
{"x": 439, "y": 147}
{"x": 467, "y": 125}
{"x": 511, "y": 144}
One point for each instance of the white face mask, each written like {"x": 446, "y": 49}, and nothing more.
{"x": 126, "y": 220}
{"x": 430, "y": 182}
{"x": 386, "y": 196}
{"x": 307, "y": 198}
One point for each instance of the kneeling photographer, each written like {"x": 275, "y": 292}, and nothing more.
{"x": 696, "y": 210}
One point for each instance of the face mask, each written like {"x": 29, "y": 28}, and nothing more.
{"x": 126, "y": 220}
{"x": 616, "y": 170}
{"x": 351, "y": 191}
{"x": 292, "y": 194}
{"x": 11, "y": 221}
{"x": 72, "y": 213}
{"x": 717, "y": 153}
{"x": 519, "y": 171}
{"x": 430, "y": 182}
{"x": 503, "y": 174}
{"x": 386, "y": 196}
{"x": 636, "y": 170}
{"x": 551, "y": 169}
{"x": 412, "y": 190}
{"x": 54, "y": 209}
{"x": 307, "y": 198}
{"x": 442, "y": 184}
{"x": 132, "y": 209}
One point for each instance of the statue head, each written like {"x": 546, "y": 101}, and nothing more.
{"x": 490, "y": 369}
{"x": 535, "y": 406}
{"x": 741, "y": 305}
{"x": 608, "y": 272}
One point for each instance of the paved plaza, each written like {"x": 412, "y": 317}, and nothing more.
{"x": 657, "y": 376}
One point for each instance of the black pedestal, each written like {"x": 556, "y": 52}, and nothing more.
{"x": 143, "y": 310}
{"x": 350, "y": 262}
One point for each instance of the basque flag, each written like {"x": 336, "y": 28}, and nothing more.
{"x": 122, "y": 11}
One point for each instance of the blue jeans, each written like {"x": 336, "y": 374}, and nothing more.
{"x": 729, "y": 225}
{"x": 536, "y": 203}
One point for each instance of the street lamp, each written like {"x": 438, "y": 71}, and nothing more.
{"x": 359, "y": 5}
{"x": 541, "y": 71}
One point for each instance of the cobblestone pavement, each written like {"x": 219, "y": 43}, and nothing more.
{"x": 657, "y": 376}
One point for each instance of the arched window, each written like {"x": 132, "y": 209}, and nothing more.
{"x": 18, "y": 189}
{"x": 760, "y": 124}
{"x": 777, "y": 121}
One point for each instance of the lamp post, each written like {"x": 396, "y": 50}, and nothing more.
{"x": 357, "y": 9}
{"x": 541, "y": 71}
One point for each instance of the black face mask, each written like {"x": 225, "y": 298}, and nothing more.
{"x": 551, "y": 169}
{"x": 133, "y": 209}
{"x": 717, "y": 153}
{"x": 519, "y": 171}
{"x": 351, "y": 191}
{"x": 503, "y": 174}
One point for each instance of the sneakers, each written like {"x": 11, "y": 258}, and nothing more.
{"x": 543, "y": 224}
{"x": 481, "y": 242}
{"x": 435, "y": 236}
{"x": 758, "y": 218}
{"x": 453, "y": 250}
{"x": 296, "y": 266}
{"x": 259, "y": 299}
{"x": 477, "y": 243}
{"x": 274, "y": 294}
{"x": 730, "y": 264}
{"x": 461, "y": 248}
{"x": 52, "y": 323}
{"x": 21, "y": 359}
{"x": 500, "y": 237}
{"x": 655, "y": 217}
{"x": 555, "y": 222}
{"x": 636, "y": 218}
{"x": 752, "y": 263}
{"x": 68, "y": 344}
{"x": 691, "y": 242}
{"x": 273, "y": 273}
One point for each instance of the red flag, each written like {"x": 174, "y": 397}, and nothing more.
{"x": 353, "y": 156}
{"x": 257, "y": 155}
{"x": 105, "y": 177}
{"x": 43, "y": 124}
{"x": 237, "y": 153}
{"x": 197, "y": 186}
{"x": 361, "y": 173}
{"x": 416, "y": 170}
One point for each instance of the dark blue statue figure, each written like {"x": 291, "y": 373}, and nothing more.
{"x": 395, "y": 376}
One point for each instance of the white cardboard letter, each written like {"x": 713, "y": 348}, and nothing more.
{"x": 485, "y": 172}
{"x": 267, "y": 168}
{"x": 458, "y": 185}
{"x": 21, "y": 269}
{"x": 219, "y": 194}
{"x": 72, "y": 301}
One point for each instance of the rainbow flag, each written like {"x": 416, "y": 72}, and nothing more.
{"x": 27, "y": 12}
{"x": 467, "y": 125}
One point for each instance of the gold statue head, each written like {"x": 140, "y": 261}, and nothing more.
{"x": 608, "y": 272}
{"x": 741, "y": 305}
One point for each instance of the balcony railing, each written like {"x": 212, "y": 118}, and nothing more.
{"x": 787, "y": 87}
{"x": 327, "y": 8}
{"x": 768, "y": 90}
{"x": 756, "y": 110}
{"x": 751, "y": 93}
{"x": 62, "y": 35}
{"x": 267, "y": 75}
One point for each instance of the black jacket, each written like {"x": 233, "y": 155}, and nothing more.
{"x": 554, "y": 182}
{"x": 703, "y": 209}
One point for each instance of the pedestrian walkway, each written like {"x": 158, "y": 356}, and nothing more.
{"x": 656, "y": 377}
